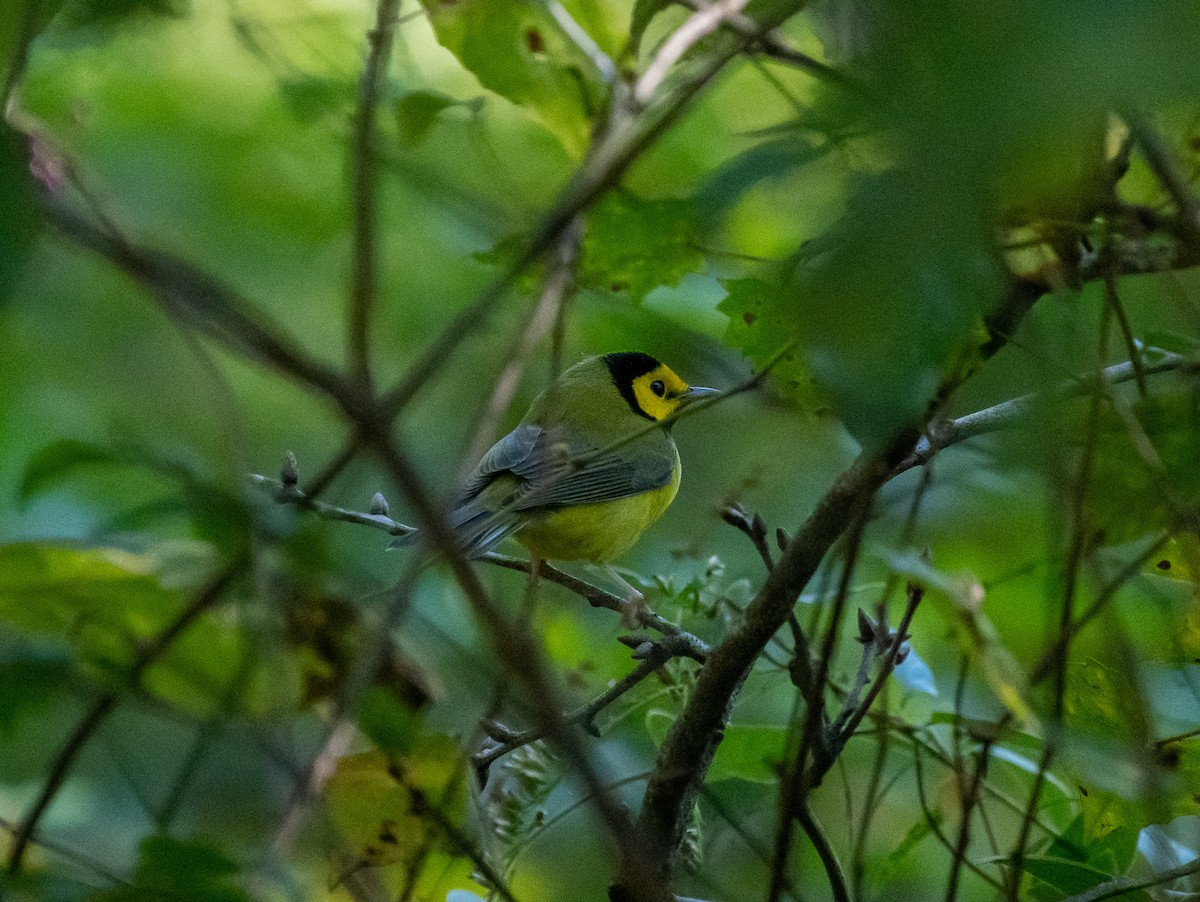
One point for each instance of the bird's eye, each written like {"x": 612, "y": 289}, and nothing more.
{"x": 658, "y": 388}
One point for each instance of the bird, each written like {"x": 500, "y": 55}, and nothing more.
{"x": 591, "y": 465}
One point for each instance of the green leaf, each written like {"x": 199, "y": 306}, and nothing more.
{"x": 771, "y": 159}
{"x": 31, "y": 677}
{"x": 760, "y": 326}
{"x": 1135, "y": 490}
{"x": 18, "y": 199}
{"x": 643, "y": 12}
{"x": 173, "y": 868}
{"x": 883, "y": 319}
{"x": 417, "y": 111}
{"x": 635, "y": 245}
{"x": 105, "y": 599}
{"x": 519, "y": 52}
{"x": 58, "y": 460}
{"x": 979, "y": 635}
{"x": 111, "y": 13}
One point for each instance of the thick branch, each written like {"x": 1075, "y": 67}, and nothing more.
{"x": 691, "y": 742}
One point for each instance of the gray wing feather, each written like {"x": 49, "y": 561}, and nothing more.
{"x": 542, "y": 464}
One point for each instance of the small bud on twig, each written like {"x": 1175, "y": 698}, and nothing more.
{"x": 867, "y": 630}
{"x": 379, "y": 505}
{"x": 735, "y": 517}
{"x": 289, "y": 473}
{"x": 782, "y": 538}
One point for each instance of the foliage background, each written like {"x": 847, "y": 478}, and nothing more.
{"x": 780, "y": 206}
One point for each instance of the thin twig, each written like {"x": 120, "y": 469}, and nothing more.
{"x": 1011, "y": 413}
{"x": 285, "y": 493}
{"x": 699, "y": 25}
{"x": 364, "y": 251}
{"x": 103, "y": 706}
{"x": 1113, "y": 888}
{"x": 604, "y": 66}
{"x": 555, "y": 290}
{"x": 505, "y": 740}
{"x": 970, "y": 799}
{"x": 1113, "y": 299}
{"x": 829, "y": 860}
{"x": 773, "y": 44}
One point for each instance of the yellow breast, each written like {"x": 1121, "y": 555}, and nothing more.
{"x": 596, "y": 532}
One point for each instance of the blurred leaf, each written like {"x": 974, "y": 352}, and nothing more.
{"x": 20, "y": 223}
{"x": 379, "y": 802}
{"x": 417, "y": 111}
{"x": 372, "y": 811}
{"x": 883, "y": 319}
{"x": 31, "y": 677}
{"x": 216, "y": 515}
{"x": 518, "y": 51}
{"x": 312, "y": 96}
{"x": 109, "y": 13}
{"x": 1072, "y": 864}
{"x": 753, "y": 753}
{"x": 980, "y": 637}
{"x": 1145, "y": 470}
{"x": 1100, "y": 699}
{"x": 54, "y": 462}
{"x": 760, "y": 326}
{"x": 774, "y": 158}
{"x": 171, "y": 868}
{"x": 102, "y": 598}
{"x": 643, "y": 12}
{"x": 636, "y": 245}
{"x": 1175, "y": 342}
{"x": 36, "y": 885}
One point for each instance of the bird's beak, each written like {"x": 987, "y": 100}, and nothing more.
{"x": 696, "y": 392}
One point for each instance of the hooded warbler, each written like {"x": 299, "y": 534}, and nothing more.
{"x": 586, "y": 470}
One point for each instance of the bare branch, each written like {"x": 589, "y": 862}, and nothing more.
{"x": 1113, "y": 888}
{"x": 699, "y": 25}
{"x": 285, "y": 493}
{"x": 604, "y": 66}
{"x": 364, "y": 284}
{"x": 104, "y": 705}
{"x": 505, "y": 740}
{"x": 1009, "y": 414}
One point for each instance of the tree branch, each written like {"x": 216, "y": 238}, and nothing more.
{"x": 104, "y": 705}
{"x": 1013, "y": 412}
{"x": 287, "y": 492}
{"x": 505, "y": 740}
{"x": 364, "y": 284}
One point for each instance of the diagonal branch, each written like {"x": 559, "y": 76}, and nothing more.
{"x": 103, "y": 706}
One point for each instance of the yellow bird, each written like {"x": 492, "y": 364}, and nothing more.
{"x": 587, "y": 469}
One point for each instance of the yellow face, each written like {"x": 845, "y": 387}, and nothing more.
{"x": 659, "y": 392}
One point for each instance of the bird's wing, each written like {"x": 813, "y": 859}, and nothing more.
{"x": 629, "y": 470}
{"x": 516, "y": 453}
{"x": 533, "y": 468}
